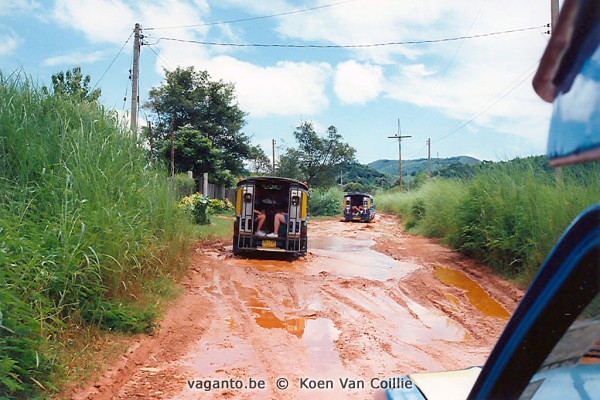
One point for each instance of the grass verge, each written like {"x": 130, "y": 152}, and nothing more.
{"x": 508, "y": 215}
{"x": 89, "y": 234}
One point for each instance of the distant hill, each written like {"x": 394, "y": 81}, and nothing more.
{"x": 413, "y": 167}
{"x": 368, "y": 177}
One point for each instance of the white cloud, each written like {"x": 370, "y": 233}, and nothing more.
{"x": 287, "y": 88}
{"x": 488, "y": 79}
{"x": 358, "y": 83}
{"x": 100, "y": 20}
{"x": 415, "y": 71}
{"x": 75, "y": 59}
{"x": 12, "y": 7}
{"x": 113, "y": 21}
{"x": 370, "y": 22}
{"x": 457, "y": 78}
{"x": 8, "y": 43}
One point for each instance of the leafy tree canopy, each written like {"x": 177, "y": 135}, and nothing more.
{"x": 315, "y": 158}
{"x": 73, "y": 84}
{"x": 258, "y": 161}
{"x": 195, "y": 152}
{"x": 190, "y": 98}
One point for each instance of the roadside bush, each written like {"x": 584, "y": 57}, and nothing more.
{"x": 85, "y": 226}
{"x": 196, "y": 206}
{"x": 218, "y": 206}
{"x": 184, "y": 185}
{"x": 326, "y": 202}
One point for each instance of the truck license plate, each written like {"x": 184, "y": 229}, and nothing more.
{"x": 269, "y": 243}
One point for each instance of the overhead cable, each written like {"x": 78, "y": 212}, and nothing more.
{"x": 254, "y": 18}
{"x": 344, "y": 46}
{"x": 531, "y": 70}
{"x": 113, "y": 61}
{"x": 157, "y": 54}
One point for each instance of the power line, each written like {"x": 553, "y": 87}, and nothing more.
{"x": 113, "y": 61}
{"x": 347, "y": 46}
{"x": 158, "y": 54}
{"x": 441, "y": 78}
{"x": 496, "y": 101}
{"x": 254, "y": 18}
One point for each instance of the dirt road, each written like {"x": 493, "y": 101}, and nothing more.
{"x": 367, "y": 303}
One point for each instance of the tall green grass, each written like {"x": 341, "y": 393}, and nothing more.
{"x": 85, "y": 222}
{"x": 508, "y": 215}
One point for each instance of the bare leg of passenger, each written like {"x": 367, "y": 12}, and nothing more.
{"x": 279, "y": 219}
{"x": 261, "y": 221}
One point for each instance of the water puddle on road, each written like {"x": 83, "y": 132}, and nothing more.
{"x": 265, "y": 317}
{"x": 354, "y": 258}
{"x": 317, "y": 334}
{"x": 473, "y": 290}
{"x": 437, "y": 326}
{"x": 268, "y": 265}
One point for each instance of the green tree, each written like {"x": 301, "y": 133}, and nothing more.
{"x": 288, "y": 165}
{"x": 195, "y": 152}
{"x": 73, "y": 84}
{"x": 259, "y": 162}
{"x": 354, "y": 187}
{"x": 190, "y": 97}
{"x": 317, "y": 156}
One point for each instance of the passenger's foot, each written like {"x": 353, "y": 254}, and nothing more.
{"x": 272, "y": 235}
{"x": 261, "y": 233}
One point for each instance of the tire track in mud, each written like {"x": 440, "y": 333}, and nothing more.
{"x": 364, "y": 303}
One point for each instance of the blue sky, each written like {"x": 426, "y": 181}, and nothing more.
{"x": 470, "y": 96}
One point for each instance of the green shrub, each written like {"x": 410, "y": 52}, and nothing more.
{"x": 326, "y": 202}
{"x": 120, "y": 317}
{"x": 196, "y": 206}
{"x": 218, "y": 206}
{"x": 184, "y": 185}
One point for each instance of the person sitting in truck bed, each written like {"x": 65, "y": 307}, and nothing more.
{"x": 280, "y": 218}
{"x": 357, "y": 209}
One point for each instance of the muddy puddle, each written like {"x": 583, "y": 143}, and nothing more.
{"x": 342, "y": 256}
{"x": 264, "y": 315}
{"x": 474, "y": 292}
{"x": 352, "y": 257}
{"x": 318, "y": 335}
{"x": 266, "y": 264}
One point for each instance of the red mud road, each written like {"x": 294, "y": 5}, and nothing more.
{"x": 367, "y": 303}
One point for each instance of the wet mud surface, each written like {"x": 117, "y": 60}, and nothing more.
{"x": 367, "y": 303}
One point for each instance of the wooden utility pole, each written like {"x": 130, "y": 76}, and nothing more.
{"x": 172, "y": 151}
{"x": 429, "y": 157}
{"x": 273, "y": 157}
{"x": 399, "y": 137}
{"x": 135, "y": 77}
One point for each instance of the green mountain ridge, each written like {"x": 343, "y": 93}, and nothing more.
{"x": 413, "y": 167}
